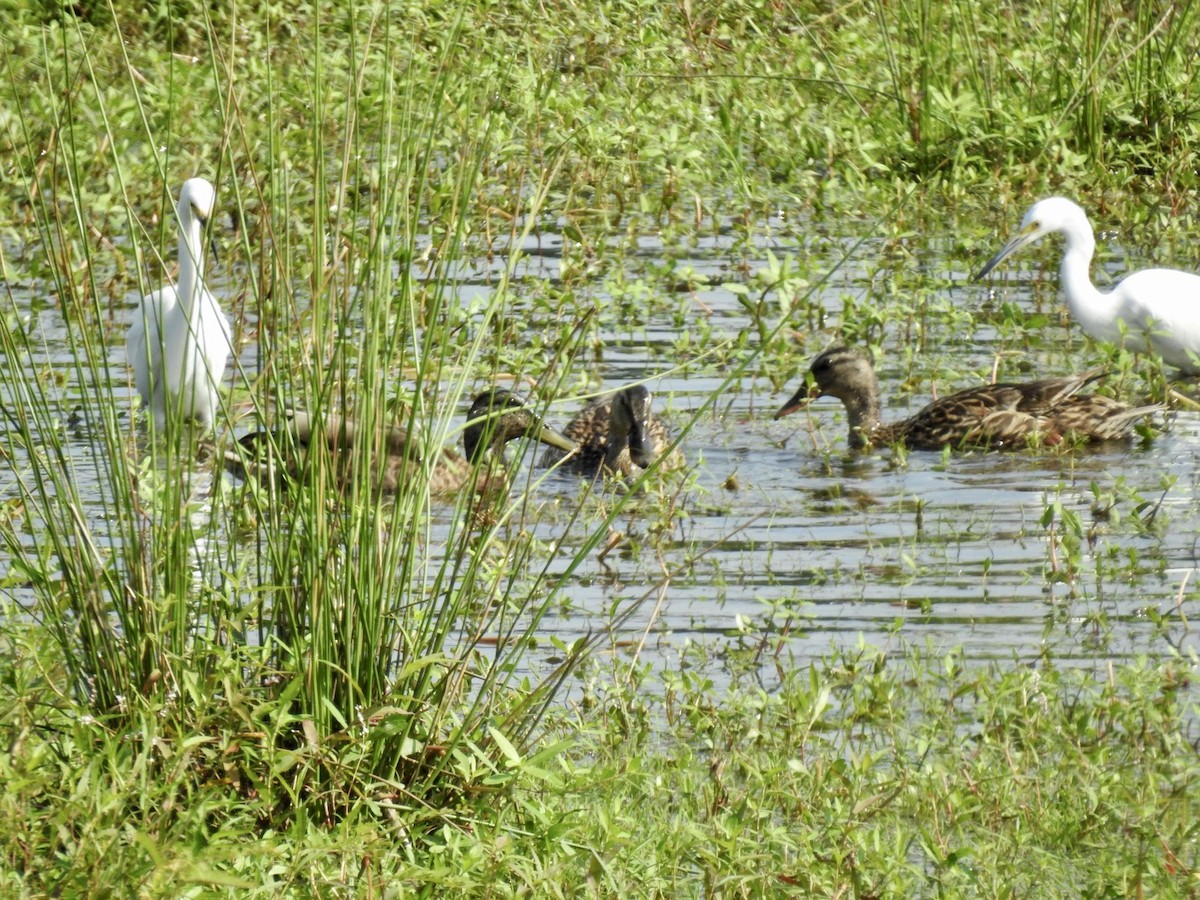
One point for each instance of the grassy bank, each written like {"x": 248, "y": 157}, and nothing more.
{"x": 862, "y": 776}
{"x": 213, "y": 686}
{"x": 636, "y": 108}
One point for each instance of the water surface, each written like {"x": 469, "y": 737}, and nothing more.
{"x": 779, "y": 528}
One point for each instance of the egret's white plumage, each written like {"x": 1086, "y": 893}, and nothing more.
{"x": 179, "y": 341}
{"x": 1151, "y": 310}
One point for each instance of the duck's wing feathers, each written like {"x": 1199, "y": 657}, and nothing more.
{"x": 1032, "y": 397}
{"x": 1096, "y": 418}
{"x": 589, "y": 430}
{"x": 975, "y": 417}
{"x": 340, "y": 433}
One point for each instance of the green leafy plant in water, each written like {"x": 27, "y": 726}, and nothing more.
{"x": 1066, "y": 541}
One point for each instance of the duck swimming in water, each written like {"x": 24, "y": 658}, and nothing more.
{"x": 496, "y": 417}
{"x": 616, "y": 435}
{"x": 990, "y": 416}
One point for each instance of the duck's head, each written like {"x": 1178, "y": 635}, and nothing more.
{"x": 630, "y": 424}
{"x": 498, "y": 416}
{"x": 842, "y": 372}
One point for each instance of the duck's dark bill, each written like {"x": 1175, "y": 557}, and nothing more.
{"x": 799, "y": 400}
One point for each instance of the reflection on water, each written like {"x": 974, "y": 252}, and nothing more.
{"x": 783, "y": 528}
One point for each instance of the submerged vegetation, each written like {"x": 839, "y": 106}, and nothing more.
{"x": 213, "y": 686}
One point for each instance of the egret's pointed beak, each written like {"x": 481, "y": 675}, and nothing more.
{"x": 800, "y": 399}
{"x": 1026, "y": 236}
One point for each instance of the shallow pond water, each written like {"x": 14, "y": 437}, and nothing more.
{"x": 779, "y": 529}
{"x": 838, "y": 548}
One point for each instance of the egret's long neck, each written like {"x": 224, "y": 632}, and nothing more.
{"x": 1091, "y": 308}
{"x": 191, "y": 261}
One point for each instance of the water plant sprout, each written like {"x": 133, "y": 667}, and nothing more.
{"x": 179, "y": 341}
{"x": 1152, "y": 310}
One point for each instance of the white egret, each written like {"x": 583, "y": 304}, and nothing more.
{"x": 1152, "y": 310}
{"x": 179, "y": 341}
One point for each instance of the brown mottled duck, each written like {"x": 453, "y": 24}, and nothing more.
{"x": 616, "y": 434}
{"x": 989, "y": 416}
{"x": 496, "y": 417}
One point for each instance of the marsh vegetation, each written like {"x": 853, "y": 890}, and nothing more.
{"x": 782, "y": 667}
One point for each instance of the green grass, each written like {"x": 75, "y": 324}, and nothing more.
{"x": 866, "y": 774}
{"x": 895, "y": 777}
{"x": 230, "y": 689}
